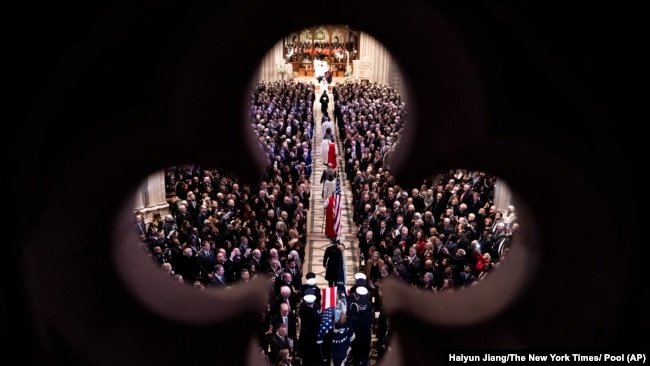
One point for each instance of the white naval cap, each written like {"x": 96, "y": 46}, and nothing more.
{"x": 309, "y": 299}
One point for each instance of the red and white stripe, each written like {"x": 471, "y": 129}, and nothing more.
{"x": 328, "y": 296}
{"x": 337, "y": 206}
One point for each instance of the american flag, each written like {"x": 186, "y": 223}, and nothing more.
{"x": 328, "y": 315}
{"x": 337, "y": 206}
{"x": 340, "y": 281}
{"x": 341, "y": 292}
{"x": 329, "y": 298}
{"x": 326, "y": 323}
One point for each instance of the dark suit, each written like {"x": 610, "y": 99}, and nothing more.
{"x": 243, "y": 248}
{"x": 206, "y": 260}
{"x": 200, "y": 219}
{"x": 447, "y": 230}
{"x": 308, "y": 349}
{"x": 259, "y": 265}
{"x": 279, "y": 299}
{"x": 216, "y": 282}
{"x": 465, "y": 197}
{"x": 466, "y": 278}
{"x": 414, "y": 268}
{"x": 452, "y": 247}
{"x": 408, "y": 218}
{"x": 276, "y": 344}
{"x": 331, "y": 261}
{"x": 304, "y": 199}
{"x": 363, "y": 243}
{"x": 140, "y": 229}
{"x": 438, "y": 207}
{"x": 296, "y": 278}
{"x": 404, "y": 242}
{"x": 473, "y": 206}
{"x": 380, "y": 234}
{"x": 188, "y": 267}
{"x": 292, "y": 324}
{"x": 418, "y": 202}
{"x": 279, "y": 282}
{"x": 233, "y": 267}
{"x": 180, "y": 217}
{"x": 290, "y": 208}
{"x": 283, "y": 249}
{"x": 193, "y": 208}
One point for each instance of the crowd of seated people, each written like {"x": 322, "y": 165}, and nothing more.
{"x": 447, "y": 227}
{"x": 443, "y": 236}
{"x": 219, "y": 233}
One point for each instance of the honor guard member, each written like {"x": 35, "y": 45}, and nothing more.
{"x": 361, "y": 316}
{"x": 310, "y": 288}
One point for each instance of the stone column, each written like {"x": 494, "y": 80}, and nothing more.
{"x": 151, "y": 196}
{"x": 502, "y": 195}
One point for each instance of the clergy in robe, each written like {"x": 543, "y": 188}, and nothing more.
{"x": 332, "y": 152}
{"x": 330, "y": 217}
{"x": 324, "y": 149}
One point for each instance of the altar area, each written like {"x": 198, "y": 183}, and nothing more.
{"x": 319, "y": 87}
{"x": 320, "y": 66}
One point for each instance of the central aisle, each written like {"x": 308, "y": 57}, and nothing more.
{"x": 316, "y": 240}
